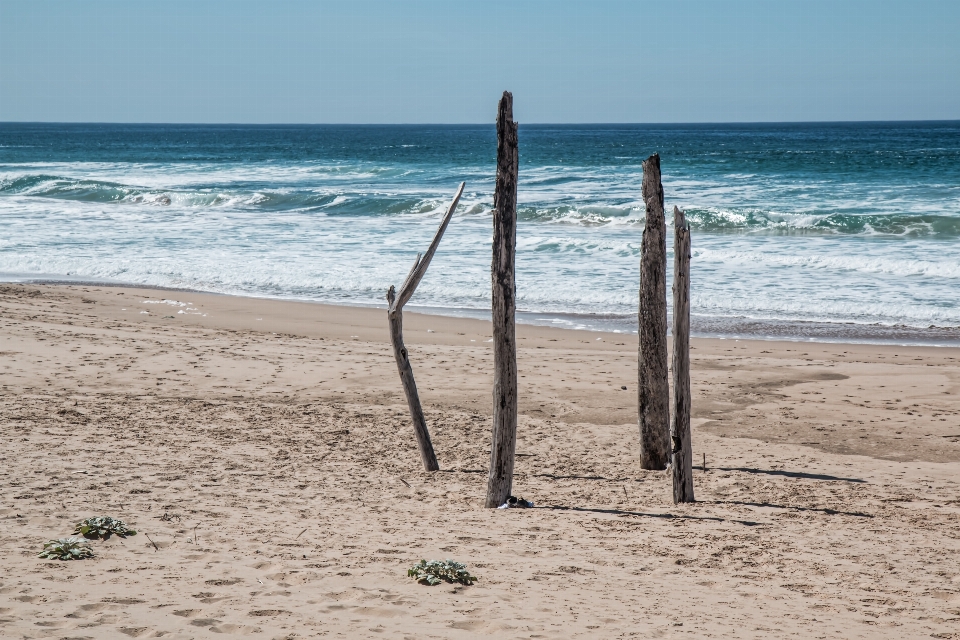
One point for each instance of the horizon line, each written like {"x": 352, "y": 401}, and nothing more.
{"x": 473, "y": 124}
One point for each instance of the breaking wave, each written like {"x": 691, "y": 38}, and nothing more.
{"x": 336, "y": 200}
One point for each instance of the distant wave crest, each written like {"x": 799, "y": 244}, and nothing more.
{"x": 330, "y": 201}
{"x": 755, "y": 221}
{"x": 547, "y": 208}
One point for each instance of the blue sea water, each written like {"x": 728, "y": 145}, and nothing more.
{"x": 802, "y": 231}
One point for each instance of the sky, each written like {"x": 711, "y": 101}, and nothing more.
{"x": 447, "y": 61}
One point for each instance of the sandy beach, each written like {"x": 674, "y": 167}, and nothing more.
{"x": 266, "y": 450}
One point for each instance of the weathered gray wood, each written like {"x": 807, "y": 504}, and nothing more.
{"x": 503, "y": 447}
{"x": 681, "y": 455}
{"x": 653, "y": 386}
{"x": 395, "y": 318}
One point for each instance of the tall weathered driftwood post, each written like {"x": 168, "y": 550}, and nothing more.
{"x": 681, "y": 454}
{"x": 395, "y": 317}
{"x": 653, "y": 388}
{"x": 503, "y": 446}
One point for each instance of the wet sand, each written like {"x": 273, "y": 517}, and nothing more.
{"x": 265, "y": 447}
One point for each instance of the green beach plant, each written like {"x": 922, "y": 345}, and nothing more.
{"x": 101, "y": 528}
{"x": 436, "y": 571}
{"x": 67, "y": 549}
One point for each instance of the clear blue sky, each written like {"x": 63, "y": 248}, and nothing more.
{"x": 446, "y": 61}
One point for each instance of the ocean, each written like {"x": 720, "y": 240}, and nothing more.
{"x": 829, "y": 232}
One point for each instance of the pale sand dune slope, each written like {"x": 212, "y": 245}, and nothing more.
{"x": 266, "y": 449}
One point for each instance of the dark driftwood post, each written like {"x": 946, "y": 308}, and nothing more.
{"x": 504, "y": 444}
{"x": 395, "y": 317}
{"x": 653, "y": 388}
{"x": 681, "y": 453}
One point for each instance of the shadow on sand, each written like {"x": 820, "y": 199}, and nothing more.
{"x": 789, "y": 474}
{"x": 664, "y": 516}
{"x": 830, "y": 512}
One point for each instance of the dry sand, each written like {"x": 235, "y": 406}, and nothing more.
{"x": 266, "y": 449}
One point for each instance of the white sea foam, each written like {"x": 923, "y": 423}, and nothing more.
{"x": 174, "y": 303}
{"x": 873, "y": 264}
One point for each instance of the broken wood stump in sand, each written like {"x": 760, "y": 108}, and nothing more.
{"x": 503, "y": 447}
{"x": 653, "y": 386}
{"x": 681, "y": 454}
{"x": 396, "y": 300}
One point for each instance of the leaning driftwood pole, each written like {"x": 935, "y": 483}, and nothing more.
{"x": 395, "y": 317}
{"x": 681, "y": 455}
{"x": 504, "y": 444}
{"x": 653, "y": 388}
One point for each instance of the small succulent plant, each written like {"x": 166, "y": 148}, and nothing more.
{"x": 67, "y": 549}
{"x": 436, "y": 571}
{"x": 101, "y": 527}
